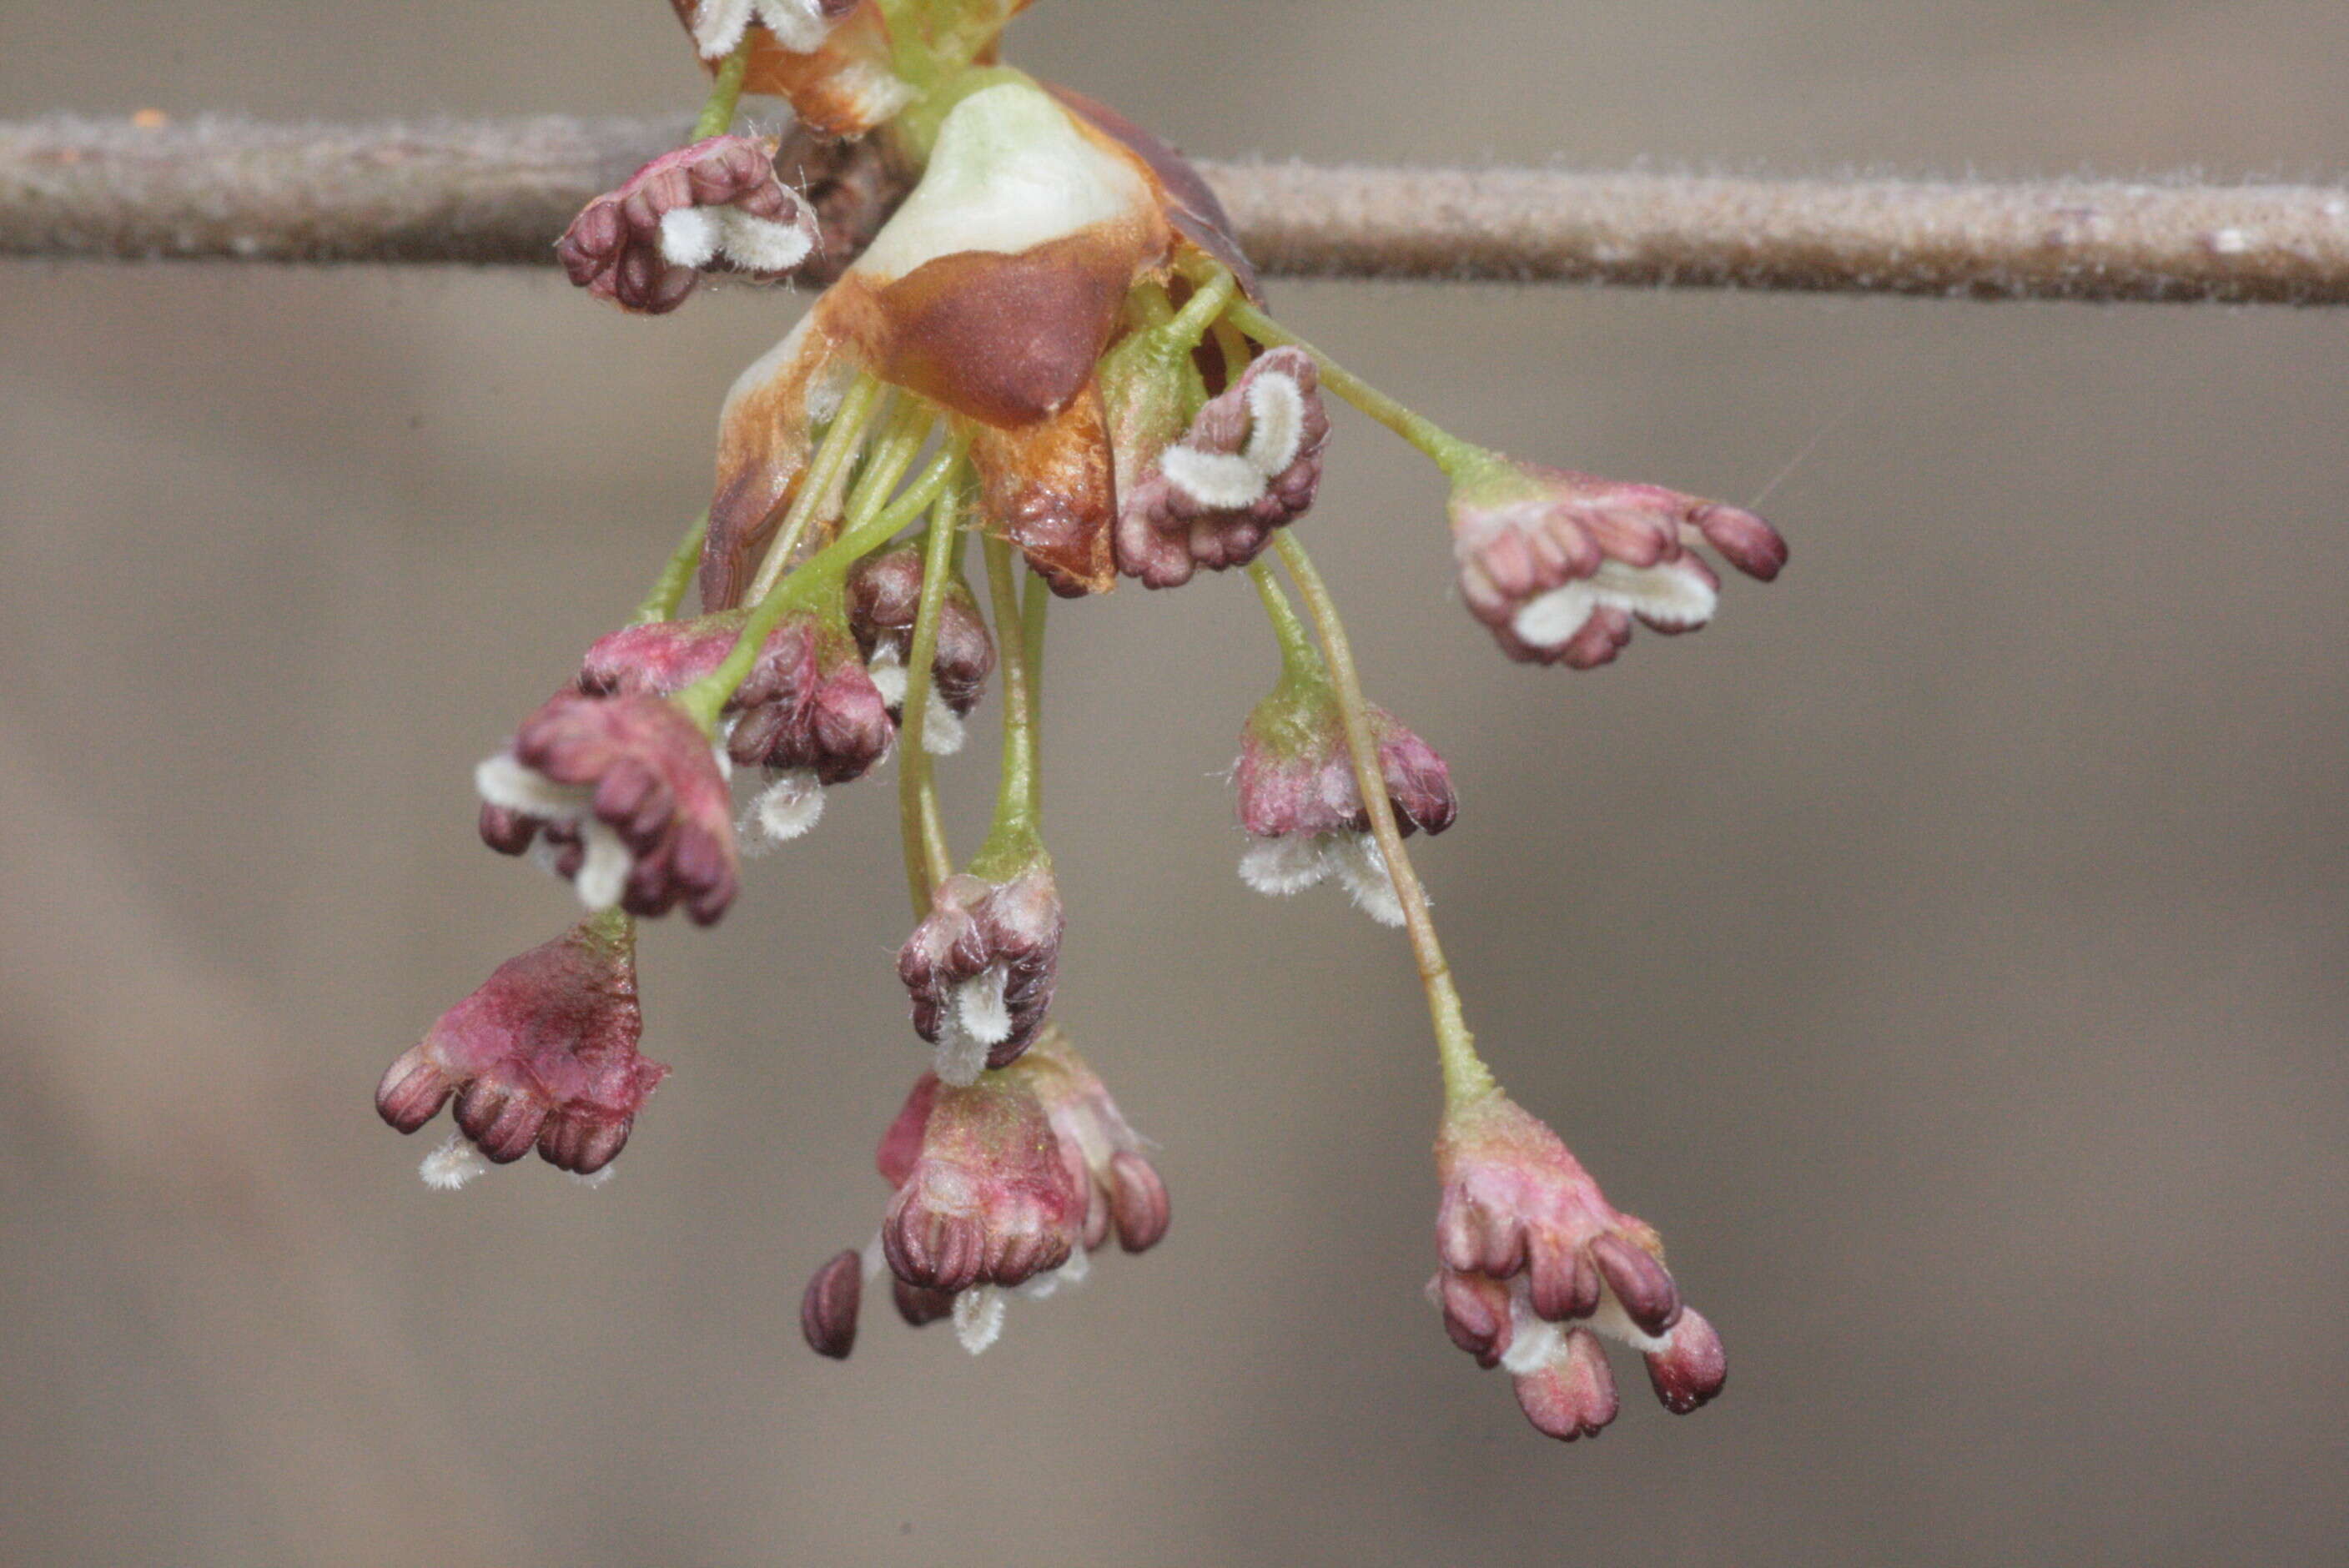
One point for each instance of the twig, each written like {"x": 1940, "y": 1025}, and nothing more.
{"x": 500, "y": 192}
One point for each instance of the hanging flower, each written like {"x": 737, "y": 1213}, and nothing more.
{"x": 543, "y": 1055}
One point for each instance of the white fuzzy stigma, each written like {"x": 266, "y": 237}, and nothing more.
{"x": 505, "y": 783}
{"x": 943, "y": 732}
{"x": 978, "y": 1317}
{"x": 1286, "y": 864}
{"x": 1362, "y": 869}
{"x": 1214, "y": 481}
{"x": 1549, "y": 620}
{"x": 1532, "y": 1344}
{"x": 798, "y": 25}
{"x": 1276, "y": 406}
{"x": 1673, "y": 595}
{"x": 887, "y": 669}
{"x": 595, "y": 1178}
{"x": 689, "y": 236}
{"x": 978, "y": 1005}
{"x": 961, "y": 1055}
{"x": 718, "y": 27}
{"x": 756, "y": 244}
{"x": 450, "y": 1165}
{"x": 603, "y": 872}
{"x": 785, "y": 810}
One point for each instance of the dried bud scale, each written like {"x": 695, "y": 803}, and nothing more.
{"x": 1036, "y": 325}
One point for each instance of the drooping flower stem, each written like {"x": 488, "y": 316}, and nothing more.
{"x": 817, "y": 584}
{"x": 1300, "y": 661}
{"x": 1013, "y": 841}
{"x": 927, "y": 862}
{"x": 725, "y": 92}
{"x": 832, "y": 459}
{"x": 668, "y": 591}
{"x": 1445, "y": 448}
{"x": 1466, "y": 1078}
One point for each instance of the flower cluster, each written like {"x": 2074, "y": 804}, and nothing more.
{"x": 1051, "y": 342}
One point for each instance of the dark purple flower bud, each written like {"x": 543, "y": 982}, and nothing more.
{"x": 884, "y": 593}
{"x": 1249, "y": 463}
{"x": 981, "y": 967}
{"x": 544, "y": 1054}
{"x": 631, "y": 797}
{"x": 1124, "y": 1190}
{"x": 1559, "y": 564}
{"x": 828, "y": 1310}
{"x": 919, "y": 1306}
{"x": 1303, "y": 810}
{"x": 808, "y": 712}
{"x": 992, "y": 1198}
{"x": 715, "y": 205}
{"x": 1535, "y": 1258}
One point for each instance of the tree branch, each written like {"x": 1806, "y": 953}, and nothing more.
{"x": 500, "y": 192}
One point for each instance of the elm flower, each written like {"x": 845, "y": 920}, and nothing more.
{"x": 808, "y": 712}
{"x": 1249, "y": 463}
{"x": 716, "y": 203}
{"x": 544, "y": 1054}
{"x": 981, "y": 967}
{"x": 1303, "y": 810}
{"x": 884, "y": 593}
{"x": 632, "y": 800}
{"x": 1559, "y": 564}
{"x": 1536, "y": 1262}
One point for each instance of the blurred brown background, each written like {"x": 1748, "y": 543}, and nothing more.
{"x": 1946, "y": 950}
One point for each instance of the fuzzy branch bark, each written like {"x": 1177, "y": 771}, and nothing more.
{"x": 500, "y": 192}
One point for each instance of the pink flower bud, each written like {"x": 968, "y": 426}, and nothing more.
{"x": 543, "y": 1054}
{"x": 992, "y": 1197}
{"x": 981, "y": 967}
{"x": 715, "y": 205}
{"x": 1559, "y": 564}
{"x": 631, "y": 799}
{"x": 1124, "y": 1189}
{"x": 1535, "y": 1258}
{"x": 1303, "y": 810}
{"x": 884, "y": 593}
{"x": 828, "y": 1310}
{"x": 1249, "y": 463}
{"x": 807, "y": 704}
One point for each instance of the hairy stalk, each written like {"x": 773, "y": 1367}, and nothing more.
{"x": 1466, "y": 1078}
{"x": 924, "y": 835}
{"x": 1013, "y": 840}
{"x": 824, "y": 471}
{"x": 817, "y": 582}
{"x": 668, "y": 589}
{"x": 1446, "y": 449}
{"x": 725, "y": 92}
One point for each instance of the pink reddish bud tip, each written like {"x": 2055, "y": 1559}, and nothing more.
{"x": 1649, "y": 1298}
{"x": 1574, "y": 1396}
{"x": 1691, "y": 1369}
{"x": 828, "y": 1310}
{"x": 1139, "y": 1203}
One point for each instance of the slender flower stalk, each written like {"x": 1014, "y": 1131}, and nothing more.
{"x": 826, "y": 470}
{"x": 927, "y": 862}
{"x": 1466, "y": 1078}
{"x": 1443, "y": 447}
{"x": 725, "y": 92}
{"x": 668, "y": 592}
